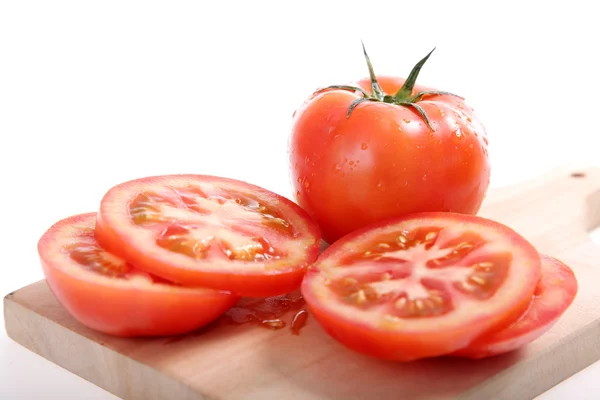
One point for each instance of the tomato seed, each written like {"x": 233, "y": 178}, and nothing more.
{"x": 361, "y": 297}
{"x": 349, "y": 281}
{"x": 419, "y": 304}
{"x": 464, "y": 246}
{"x": 478, "y": 280}
{"x": 400, "y": 303}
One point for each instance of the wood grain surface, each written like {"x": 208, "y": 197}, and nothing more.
{"x": 555, "y": 212}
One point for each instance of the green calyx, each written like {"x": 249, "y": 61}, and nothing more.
{"x": 403, "y": 97}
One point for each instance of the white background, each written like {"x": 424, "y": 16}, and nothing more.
{"x": 94, "y": 93}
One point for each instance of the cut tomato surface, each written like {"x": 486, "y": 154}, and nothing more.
{"x": 209, "y": 231}
{"x": 554, "y": 294}
{"x": 422, "y": 285}
{"x": 109, "y": 295}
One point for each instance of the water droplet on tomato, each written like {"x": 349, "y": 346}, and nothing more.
{"x": 471, "y": 145}
{"x": 351, "y": 162}
{"x": 485, "y": 141}
{"x": 405, "y": 183}
{"x": 364, "y": 146}
{"x": 337, "y": 167}
{"x": 406, "y": 120}
{"x": 380, "y": 185}
{"x": 297, "y": 194}
{"x": 306, "y": 159}
{"x": 296, "y": 167}
{"x": 299, "y": 180}
{"x": 425, "y": 177}
{"x": 306, "y": 184}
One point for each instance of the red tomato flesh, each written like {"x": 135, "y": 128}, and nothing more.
{"x": 554, "y": 294}
{"x": 107, "y": 294}
{"x": 422, "y": 285}
{"x": 208, "y": 231}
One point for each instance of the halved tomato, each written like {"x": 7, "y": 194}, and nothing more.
{"x": 208, "y": 231}
{"x": 105, "y": 293}
{"x": 423, "y": 285}
{"x": 554, "y": 294}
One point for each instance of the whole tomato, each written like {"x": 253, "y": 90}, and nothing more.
{"x": 383, "y": 148}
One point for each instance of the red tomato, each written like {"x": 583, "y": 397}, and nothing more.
{"x": 105, "y": 293}
{"x": 554, "y": 294}
{"x": 421, "y": 286}
{"x": 384, "y": 160}
{"x": 208, "y": 231}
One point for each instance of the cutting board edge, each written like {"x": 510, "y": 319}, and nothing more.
{"x": 156, "y": 385}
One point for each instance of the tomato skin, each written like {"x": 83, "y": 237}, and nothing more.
{"x": 405, "y": 345}
{"x": 120, "y": 309}
{"x": 383, "y": 161}
{"x": 115, "y": 233}
{"x": 555, "y": 293}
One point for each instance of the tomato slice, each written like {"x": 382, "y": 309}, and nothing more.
{"x": 107, "y": 294}
{"x": 554, "y": 294}
{"x": 209, "y": 231}
{"x": 423, "y": 285}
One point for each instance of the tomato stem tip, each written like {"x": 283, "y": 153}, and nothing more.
{"x": 403, "y": 97}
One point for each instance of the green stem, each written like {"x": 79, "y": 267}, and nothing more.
{"x": 421, "y": 112}
{"x": 402, "y": 98}
{"x": 420, "y": 95}
{"x": 355, "y": 103}
{"x": 375, "y": 88}
{"x": 406, "y": 90}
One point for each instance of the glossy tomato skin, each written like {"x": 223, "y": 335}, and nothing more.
{"x": 555, "y": 293}
{"x": 379, "y": 339}
{"x": 383, "y": 161}
{"x": 119, "y": 307}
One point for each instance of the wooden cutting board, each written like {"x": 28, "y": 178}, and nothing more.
{"x": 228, "y": 362}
